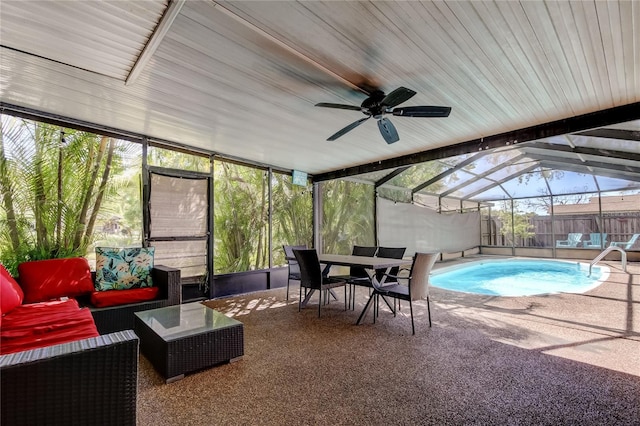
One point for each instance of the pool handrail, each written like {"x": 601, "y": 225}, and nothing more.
{"x": 623, "y": 255}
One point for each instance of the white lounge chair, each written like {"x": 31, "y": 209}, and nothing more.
{"x": 595, "y": 241}
{"x": 626, "y": 244}
{"x": 572, "y": 240}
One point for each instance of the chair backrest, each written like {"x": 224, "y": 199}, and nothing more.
{"x": 294, "y": 269}
{"x": 391, "y": 253}
{"x": 574, "y": 238}
{"x": 594, "y": 237}
{"x": 632, "y": 241}
{"x": 288, "y": 251}
{"x": 366, "y": 251}
{"x": 420, "y": 270}
{"x": 310, "y": 272}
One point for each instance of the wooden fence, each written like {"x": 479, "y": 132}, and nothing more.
{"x": 617, "y": 226}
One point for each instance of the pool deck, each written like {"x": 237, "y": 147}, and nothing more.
{"x": 600, "y": 327}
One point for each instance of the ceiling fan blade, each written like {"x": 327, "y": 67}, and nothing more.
{"x": 347, "y": 129}
{"x": 388, "y": 130}
{"x": 398, "y": 96}
{"x": 339, "y": 106}
{"x": 422, "y": 111}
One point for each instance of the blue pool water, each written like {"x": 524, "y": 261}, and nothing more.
{"x": 519, "y": 277}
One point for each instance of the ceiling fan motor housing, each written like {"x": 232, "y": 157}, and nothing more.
{"x": 373, "y": 104}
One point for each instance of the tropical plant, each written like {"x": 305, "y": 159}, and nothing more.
{"x": 240, "y": 218}
{"x": 516, "y": 225}
{"x": 166, "y": 158}
{"x": 53, "y": 184}
{"x": 292, "y": 215}
{"x": 348, "y": 217}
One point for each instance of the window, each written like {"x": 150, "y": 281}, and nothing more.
{"x": 348, "y": 217}
{"x": 292, "y": 215}
{"x": 241, "y": 208}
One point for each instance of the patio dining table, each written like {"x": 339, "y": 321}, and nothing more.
{"x": 372, "y": 263}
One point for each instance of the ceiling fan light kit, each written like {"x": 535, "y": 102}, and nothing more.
{"x": 378, "y": 104}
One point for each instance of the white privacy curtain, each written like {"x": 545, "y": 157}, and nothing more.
{"x": 178, "y": 212}
{"x": 423, "y": 230}
{"x": 178, "y": 206}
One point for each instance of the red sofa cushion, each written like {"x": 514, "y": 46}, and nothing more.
{"x": 44, "y": 280}
{"x": 44, "y": 324}
{"x": 102, "y": 299}
{"x": 11, "y": 294}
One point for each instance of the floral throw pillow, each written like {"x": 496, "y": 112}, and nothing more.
{"x": 120, "y": 269}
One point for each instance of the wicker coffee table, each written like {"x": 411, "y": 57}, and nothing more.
{"x": 185, "y": 338}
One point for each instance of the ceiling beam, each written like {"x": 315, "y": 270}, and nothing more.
{"x": 469, "y": 197}
{"x": 615, "y": 174}
{"x": 390, "y": 176}
{"x": 585, "y": 164}
{"x": 482, "y": 175}
{"x": 170, "y": 14}
{"x": 598, "y": 152}
{"x": 579, "y": 123}
{"x": 449, "y": 171}
{"x": 626, "y": 135}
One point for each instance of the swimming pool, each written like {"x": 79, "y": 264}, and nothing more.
{"x": 519, "y": 277}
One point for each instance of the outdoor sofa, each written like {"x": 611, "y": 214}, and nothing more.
{"x": 64, "y": 360}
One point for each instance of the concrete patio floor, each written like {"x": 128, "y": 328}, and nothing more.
{"x": 553, "y": 359}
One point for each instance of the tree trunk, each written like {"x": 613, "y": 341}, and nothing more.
{"x": 81, "y": 232}
{"x": 103, "y": 185}
{"x": 40, "y": 197}
{"x": 7, "y": 198}
{"x": 59, "y": 206}
{"x": 260, "y": 249}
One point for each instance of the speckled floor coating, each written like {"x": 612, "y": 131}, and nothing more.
{"x": 561, "y": 359}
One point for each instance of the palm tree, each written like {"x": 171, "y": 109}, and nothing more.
{"x": 53, "y": 182}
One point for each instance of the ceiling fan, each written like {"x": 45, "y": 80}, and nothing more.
{"x": 378, "y": 104}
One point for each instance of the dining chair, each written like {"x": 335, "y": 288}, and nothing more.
{"x": 417, "y": 288}
{"x": 292, "y": 263}
{"x": 358, "y": 275}
{"x": 311, "y": 277}
{"x": 391, "y": 253}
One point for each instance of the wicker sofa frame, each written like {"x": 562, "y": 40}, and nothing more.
{"x": 120, "y": 317}
{"x": 87, "y": 382}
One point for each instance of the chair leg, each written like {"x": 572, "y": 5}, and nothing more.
{"x": 320, "y": 302}
{"x": 413, "y": 328}
{"x": 376, "y": 306}
{"x": 288, "y": 288}
{"x": 345, "y": 297}
{"x": 353, "y": 297}
{"x": 429, "y": 310}
{"x": 299, "y": 296}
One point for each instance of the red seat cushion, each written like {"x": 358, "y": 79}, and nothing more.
{"x": 11, "y": 294}
{"x": 44, "y": 280}
{"x": 44, "y": 324}
{"x": 102, "y": 299}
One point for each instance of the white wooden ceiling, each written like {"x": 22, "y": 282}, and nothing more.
{"x": 241, "y": 78}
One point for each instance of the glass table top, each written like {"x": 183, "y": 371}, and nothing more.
{"x": 180, "y": 321}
